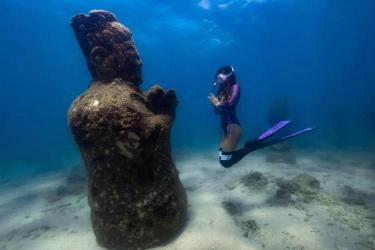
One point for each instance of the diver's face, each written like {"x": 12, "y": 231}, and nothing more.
{"x": 221, "y": 78}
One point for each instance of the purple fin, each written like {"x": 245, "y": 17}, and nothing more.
{"x": 296, "y": 134}
{"x": 273, "y": 130}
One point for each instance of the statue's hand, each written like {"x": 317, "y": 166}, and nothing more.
{"x": 162, "y": 102}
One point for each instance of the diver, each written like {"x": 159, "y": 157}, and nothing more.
{"x": 225, "y": 101}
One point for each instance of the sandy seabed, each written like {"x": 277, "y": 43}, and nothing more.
{"x": 50, "y": 211}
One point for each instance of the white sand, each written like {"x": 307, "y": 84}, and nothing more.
{"x": 28, "y": 221}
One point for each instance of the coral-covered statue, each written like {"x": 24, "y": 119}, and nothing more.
{"x": 135, "y": 195}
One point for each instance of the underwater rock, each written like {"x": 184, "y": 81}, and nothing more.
{"x": 303, "y": 187}
{"x": 255, "y": 181}
{"x": 135, "y": 194}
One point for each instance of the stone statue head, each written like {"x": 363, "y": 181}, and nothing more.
{"x": 106, "y": 60}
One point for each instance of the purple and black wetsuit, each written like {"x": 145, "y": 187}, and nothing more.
{"x": 228, "y": 109}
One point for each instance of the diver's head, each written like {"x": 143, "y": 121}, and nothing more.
{"x": 225, "y": 75}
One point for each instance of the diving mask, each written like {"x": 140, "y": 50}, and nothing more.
{"x": 221, "y": 78}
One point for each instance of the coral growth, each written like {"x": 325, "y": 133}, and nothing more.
{"x": 108, "y": 47}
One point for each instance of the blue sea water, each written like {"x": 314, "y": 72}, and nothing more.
{"x": 318, "y": 55}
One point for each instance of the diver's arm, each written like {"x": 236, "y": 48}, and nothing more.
{"x": 214, "y": 100}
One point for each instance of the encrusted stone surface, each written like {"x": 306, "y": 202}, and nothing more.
{"x": 136, "y": 197}
{"x": 108, "y": 46}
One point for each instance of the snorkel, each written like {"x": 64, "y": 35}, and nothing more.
{"x": 214, "y": 87}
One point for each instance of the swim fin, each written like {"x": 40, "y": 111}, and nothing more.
{"x": 287, "y": 137}
{"x": 228, "y": 159}
{"x": 260, "y": 141}
{"x": 269, "y": 132}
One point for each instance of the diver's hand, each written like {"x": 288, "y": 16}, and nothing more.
{"x": 214, "y": 100}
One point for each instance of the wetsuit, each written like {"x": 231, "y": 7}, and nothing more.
{"x": 227, "y": 109}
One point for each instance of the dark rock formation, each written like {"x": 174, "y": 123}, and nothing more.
{"x": 255, "y": 181}
{"x": 135, "y": 195}
{"x": 303, "y": 187}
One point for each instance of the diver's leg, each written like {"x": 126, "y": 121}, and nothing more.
{"x": 222, "y": 141}
{"x": 227, "y": 155}
{"x": 229, "y": 158}
{"x": 231, "y": 137}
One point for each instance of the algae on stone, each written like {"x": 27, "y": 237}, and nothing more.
{"x": 134, "y": 192}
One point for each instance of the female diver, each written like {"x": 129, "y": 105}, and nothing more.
{"x": 225, "y": 102}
